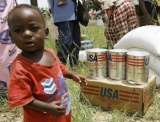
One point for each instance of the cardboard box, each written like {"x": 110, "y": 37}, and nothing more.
{"x": 119, "y": 95}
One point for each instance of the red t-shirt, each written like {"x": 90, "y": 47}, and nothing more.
{"x": 30, "y": 81}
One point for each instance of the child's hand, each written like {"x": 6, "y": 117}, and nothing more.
{"x": 56, "y": 109}
{"x": 80, "y": 79}
{"x": 53, "y": 108}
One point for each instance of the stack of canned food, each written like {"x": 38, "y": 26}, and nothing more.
{"x": 118, "y": 64}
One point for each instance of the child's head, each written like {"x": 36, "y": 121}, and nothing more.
{"x": 27, "y": 27}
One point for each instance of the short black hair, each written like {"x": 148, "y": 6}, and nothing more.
{"x": 25, "y": 6}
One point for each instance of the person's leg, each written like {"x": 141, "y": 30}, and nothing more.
{"x": 154, "y": 14}
{"x": 152, "y": 10}
{"x": 64, "y": 42}
{"x": 76, "y": 43}
{"x": 142, "y": 18}
{"x": 158, "y": 14}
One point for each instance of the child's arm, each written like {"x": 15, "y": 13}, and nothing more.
{"x": 52, "y": 108}
{"x": 77, "y": 78}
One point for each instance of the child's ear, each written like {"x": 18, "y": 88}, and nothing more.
{"x": 11, "y": 37}
{"x": 47, "y": 33}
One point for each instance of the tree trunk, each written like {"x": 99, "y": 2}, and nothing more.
{"x": 34, "y": 3}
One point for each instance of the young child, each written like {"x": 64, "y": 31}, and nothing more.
{"x": 37, "y": 83}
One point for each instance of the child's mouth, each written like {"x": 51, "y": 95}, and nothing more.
{"x": 29, "y": 44}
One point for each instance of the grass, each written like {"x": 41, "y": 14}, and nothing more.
{"x": 84, "y": 111}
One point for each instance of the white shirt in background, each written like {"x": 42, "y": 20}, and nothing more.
{"x": 135, "y": 2}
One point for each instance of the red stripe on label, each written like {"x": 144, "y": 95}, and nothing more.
{"x": 118, "y": 58}
{"x": 102, "y": 55}
{"x": 132, "y": 93}
{"x": 138, "y": 62}
{"x": 91, "y": 93}
{"x": 138, "y": 65}
{"x": 146, "y": 98}
{"x": 145, "y": 92}
{"x": 90, "y": 86}
{"x": 135, "y": 59}
{"x": 100, "y": 60}
{"x": 89, "y": 89}
{"x": 145, "y": 95}
{"x": 123, "y": 56}
{"x": 128, "y": 96}
{"x": 129, "y": 100}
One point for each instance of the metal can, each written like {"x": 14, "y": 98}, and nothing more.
{"x": 137, "y": 67}
{"x": 117, "y": 64}
{"x": 87, "y": 44}
{"x": 97, "y": 63}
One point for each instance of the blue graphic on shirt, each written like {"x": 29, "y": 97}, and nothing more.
{"x": 63, "y": 84}
{"x": 3, "y": 5}
{"x": 66, "y": 102}
{"x": 9, "y": 67}
{"x": 5, "y": 38}
{"x": 66, "y": 99}
{"x": 63, "y": 92}
{"x": 12, "y": 51}
{"x": 3, "y": 20}
{"x": 49, "y": 86}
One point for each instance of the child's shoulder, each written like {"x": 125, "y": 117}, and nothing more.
{"x": 17, "y": 64}
{"x": 17, "y": 59}
{"x": 51, "y": 51}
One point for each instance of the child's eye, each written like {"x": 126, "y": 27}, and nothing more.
{"x": 18, "y": 30}
{"x": 34, "y": 28}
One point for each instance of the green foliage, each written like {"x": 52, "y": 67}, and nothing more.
{"x": 95, "y": 34}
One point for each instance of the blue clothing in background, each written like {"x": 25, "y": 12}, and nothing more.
{"x": 64, "y": 12}
{"x": 68, "y": 44}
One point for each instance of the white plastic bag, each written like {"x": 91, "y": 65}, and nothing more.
{"x": 82, "y": 56}
{"x": 151, "y": 72}
{"x": 145, "y": 37}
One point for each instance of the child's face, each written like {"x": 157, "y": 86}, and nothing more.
{"x": 27, "y": 29}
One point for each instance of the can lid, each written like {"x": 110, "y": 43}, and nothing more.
{"x": 118, "y": 50}
{"x": 86, "y": 41}
{"x": 138, "y": 53}
{"x": 96, "y": 50}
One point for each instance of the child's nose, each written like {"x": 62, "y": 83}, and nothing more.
{"x": 27, "y": 33}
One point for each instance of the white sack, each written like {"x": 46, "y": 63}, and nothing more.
{"x": 82, "y": 56}
{"x": 145, "y": 37}
{"x": 151, "y": 72}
